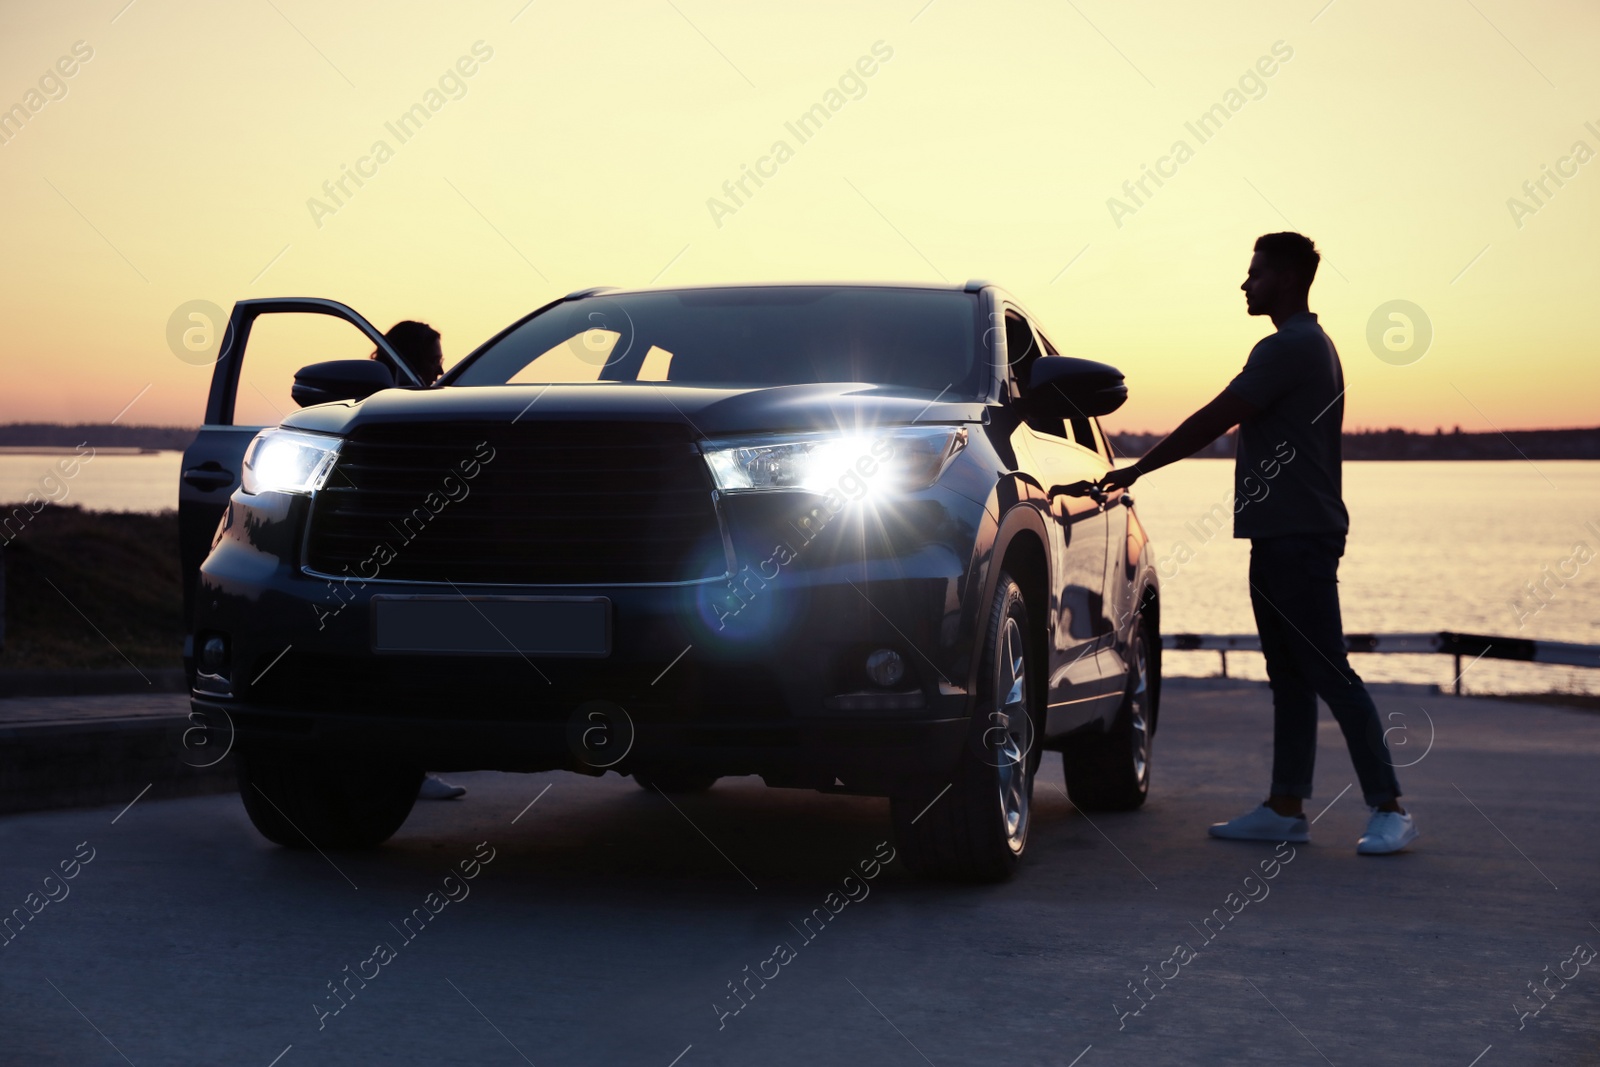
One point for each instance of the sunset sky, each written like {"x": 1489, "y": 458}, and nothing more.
{"x": 179, "y": 160}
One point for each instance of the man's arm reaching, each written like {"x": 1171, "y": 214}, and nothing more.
{"x": 1197, "y": 431}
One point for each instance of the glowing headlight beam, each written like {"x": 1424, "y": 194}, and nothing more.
{"x": 898, "y": 459}
{"x": 289, "y": 461}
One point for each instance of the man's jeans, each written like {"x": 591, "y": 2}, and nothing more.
{"x": 1294, "y": 588}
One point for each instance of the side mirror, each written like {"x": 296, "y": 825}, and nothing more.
{"x": 1065, "y": 387}
{"x": 340, "y": 379}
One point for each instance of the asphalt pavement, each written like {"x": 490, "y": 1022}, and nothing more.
{"x": 554, "y": 919}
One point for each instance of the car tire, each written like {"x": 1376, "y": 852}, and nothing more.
{"x": 1110, "y": 771}
{"x": 325, "y": 801}
{"x": 676, "y": 782}
{"x": 976, "y": 828}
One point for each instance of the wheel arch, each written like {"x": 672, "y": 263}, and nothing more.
{"x": 1021, "y": 550}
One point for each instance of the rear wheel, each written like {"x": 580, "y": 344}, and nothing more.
{"x": 325, "y": 801}
{"x": 1111, "y": 771}
{"x": 976, "y": 828}
{"x": 675, "y": 782}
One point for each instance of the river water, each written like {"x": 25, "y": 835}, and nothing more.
{"x": 109, "y": 481}
{"x": 1433, "y": 546}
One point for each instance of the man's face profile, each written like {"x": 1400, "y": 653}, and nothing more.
{"x": 1261, "y": 285}
{"x": 1267, "y": 285}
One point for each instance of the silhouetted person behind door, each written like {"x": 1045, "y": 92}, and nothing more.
{"x": 1288, "y": 403}
{"x": 418, "y": 345}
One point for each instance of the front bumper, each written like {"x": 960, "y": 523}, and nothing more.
{"x": 769, "y": 686}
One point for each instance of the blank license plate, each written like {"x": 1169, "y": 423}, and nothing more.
{"x": 492, "y": 625}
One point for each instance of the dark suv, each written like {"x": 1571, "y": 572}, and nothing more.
{"x": 845, "y": 537}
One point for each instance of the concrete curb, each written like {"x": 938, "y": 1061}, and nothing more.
{"x": 93, "y": 762}
{"x": 92, "y": 683}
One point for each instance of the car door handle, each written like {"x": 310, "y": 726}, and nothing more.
{"x": 1081, "y": 489}
{"x": 208, "y": 476}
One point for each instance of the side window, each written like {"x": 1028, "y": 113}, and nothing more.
{"x": 279, "y": 345}
{"x": 1021, "y": 337}
{"x": 1021, "y": 350}
{"x": 1087, "y": 432}
{"x": 1079, "y": 430}
{"x": 1102, "y": 442}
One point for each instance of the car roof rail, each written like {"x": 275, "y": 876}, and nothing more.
{"x": 593, "y": 290}
{"x": 975, "y": 285}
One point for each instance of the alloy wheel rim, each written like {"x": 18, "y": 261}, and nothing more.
{"x": 1138, "y": 709}
{"x": 1011, "y": 711}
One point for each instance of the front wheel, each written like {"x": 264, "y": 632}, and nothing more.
{"x": 976, "y": 828}
{"x": 325, "y": 801}
{"x": 1111, "y": 771}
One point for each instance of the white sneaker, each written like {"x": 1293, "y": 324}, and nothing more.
{"x": 436, "y": 788}
{"x": 1387, "y": 831}
{"x": 1264, "y": 824}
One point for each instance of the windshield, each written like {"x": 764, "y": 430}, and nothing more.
{"x": 918, "y": 339}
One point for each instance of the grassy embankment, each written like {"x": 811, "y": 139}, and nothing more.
{"x": 70, "y": 573}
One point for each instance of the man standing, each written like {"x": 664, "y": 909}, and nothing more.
{"x": 1288, "y": 403}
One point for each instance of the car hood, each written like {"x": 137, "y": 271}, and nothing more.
{"x": 712, "y": 412}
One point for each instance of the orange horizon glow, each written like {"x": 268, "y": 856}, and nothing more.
{"x": 1110, "y": 166}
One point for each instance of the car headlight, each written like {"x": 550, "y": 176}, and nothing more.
{"x": 288, "y": 461}
{"x": 895, "y": 459}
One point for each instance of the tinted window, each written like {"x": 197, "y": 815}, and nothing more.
{"x": 1020, "y": 349}
{"x": 778, "y": 335}
{"x": 1102, "y": 442}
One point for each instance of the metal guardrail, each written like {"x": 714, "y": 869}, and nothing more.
{"x": 1477, "y": 646}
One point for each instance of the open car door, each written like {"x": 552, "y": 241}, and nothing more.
{"x": 213, "y": 461}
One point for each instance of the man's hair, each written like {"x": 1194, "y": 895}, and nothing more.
{"x": 414, "y": 343}
{"x": 1292, "y": 252}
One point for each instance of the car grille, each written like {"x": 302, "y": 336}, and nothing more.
{"x": 537, "y": 503}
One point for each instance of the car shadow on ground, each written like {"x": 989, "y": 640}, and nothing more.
{"x": 592, "y": 835}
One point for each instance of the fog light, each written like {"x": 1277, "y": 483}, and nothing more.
{"x": 214, "y": 655}
{"x": 886, "y": 668}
